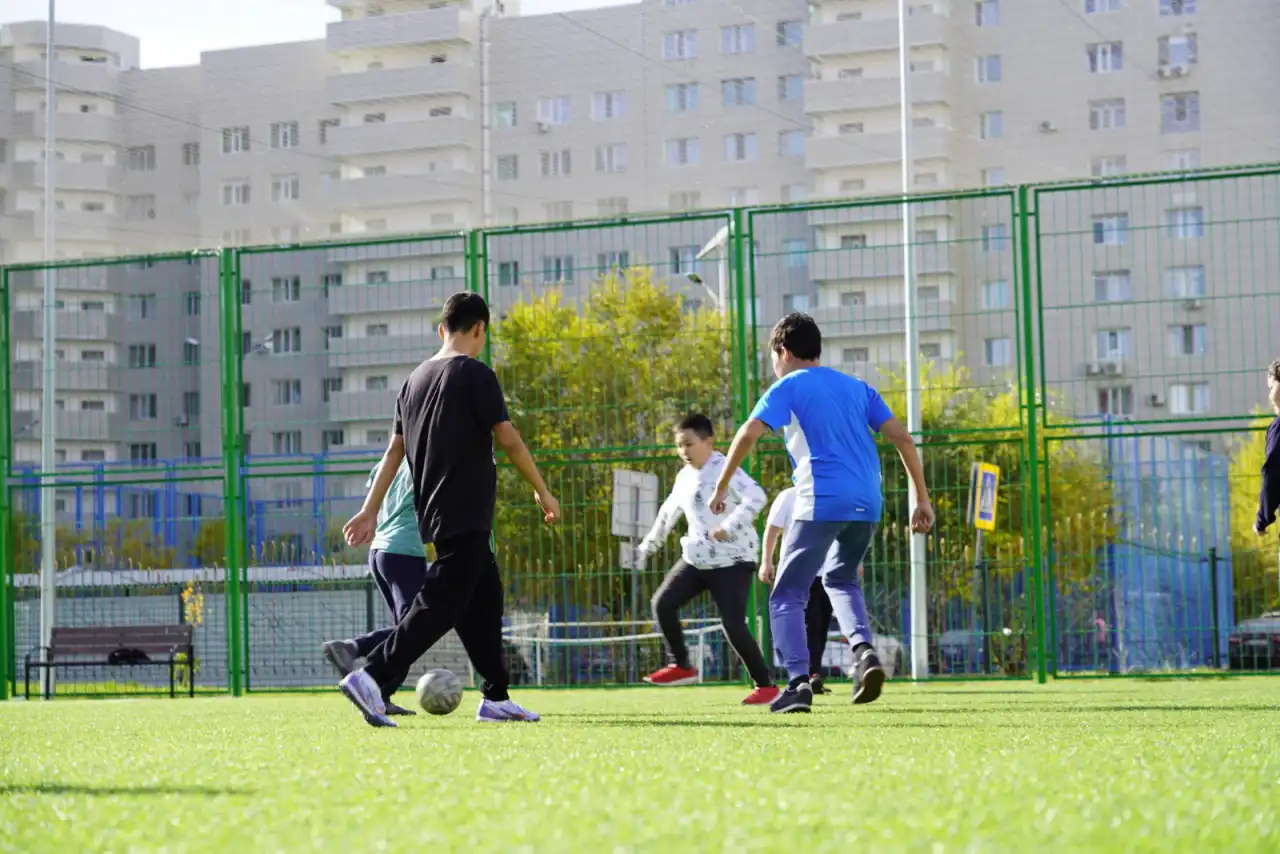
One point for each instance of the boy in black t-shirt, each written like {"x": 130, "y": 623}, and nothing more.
{"x": 448, "y": 414}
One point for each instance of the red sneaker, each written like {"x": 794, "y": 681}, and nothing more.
{"x": 672, "y": 674}
{"x": 761, "y": 696}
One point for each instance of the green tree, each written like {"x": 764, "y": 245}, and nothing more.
{"x": 1253, "y": 558}
{"x": 595, "y": 385}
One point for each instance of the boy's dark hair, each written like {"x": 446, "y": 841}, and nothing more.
{"x": 1273, "y": 370}
{"x": 697, "y": 424}
{"x": 463, "y": 311}
{"x": 798, "y": 334}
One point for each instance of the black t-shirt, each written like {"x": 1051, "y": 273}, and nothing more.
{"x": 446, "y": 411}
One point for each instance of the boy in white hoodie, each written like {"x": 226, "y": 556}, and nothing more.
{"x": 717, "y": 554}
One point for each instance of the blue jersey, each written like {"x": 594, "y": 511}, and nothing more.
{"x": 827, "y": 418}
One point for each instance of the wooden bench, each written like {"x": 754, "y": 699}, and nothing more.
{"x": 115, "y": 646}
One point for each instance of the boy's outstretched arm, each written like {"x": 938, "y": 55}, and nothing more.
{"x": 923, "y": 517}
{"x": 508, "y": 438}
{"x": 743, "y": 441}
{"x": 667, "y": 516}
{"x": 359, "y": 529}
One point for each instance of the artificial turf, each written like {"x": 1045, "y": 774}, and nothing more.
{"x": 1098, "y": 766}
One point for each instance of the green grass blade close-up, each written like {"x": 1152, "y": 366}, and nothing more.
{"x": 1098, "y": 766}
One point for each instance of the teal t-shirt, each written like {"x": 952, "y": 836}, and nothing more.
{"x": 397, "y": 530}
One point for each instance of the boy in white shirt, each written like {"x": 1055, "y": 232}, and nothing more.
{"x": 717, "y": 554}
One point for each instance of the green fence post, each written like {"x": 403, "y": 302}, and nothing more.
{"x": 228, "y": 303}
{"x": 1031, "y": 398}
{"x": 7, "y": 650}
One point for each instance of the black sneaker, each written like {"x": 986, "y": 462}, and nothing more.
{"x": 796, "y": 698}
{"x": 819, "y": 686}
{"x": 868, "y": 676}
{"x": 342, "y": 655}
{"x": 393, "y": 709}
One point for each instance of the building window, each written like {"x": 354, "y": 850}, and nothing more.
{"x": 1185, "y": 282}
{"x": 140, "y": 306}
{"x": 235, "y": 194}
{"x": 743, "y": 196}
{"x": 931, "y": 351}
{"x": 557, "y": 110}
{"x": 1099, "y": 7}
{"x": 608, "y": 262}
{"x": 853, "y": 299}
{"x": 608, "y": 105}
{"x": 508, "y": 167}
{"x": 791, "y": 88}
{"x": 611, "y": 158}
{"x": 998, "y": 352}
{"x": 286, "y": 392}
{"x": 287, "y": 340}
{"x": 192, "y": 301}
{"x": 142, "y": 355}
{"x": 1112, "y": 286}
{"x": 286, "y": 442}
{"x": 684, "y": 260}
{"x": 505, "y": 114}
{"x": 1178, "y": 52}
{"x": 738, "y": 91}
{"x": 325, "y": 126}
{"x": 855, "y": 355}
{"x": 995, "y": 238}
{"x": 1108, "y": 114}
{"x": 377, "y": 383}
{"x": 795, "y": 302}
{"x": 331, "y": 439}
{"x": 286, "y": 289}
{"x": 332, "y": 386}
{"x": 790, "y": 33}
{"x": 1182, "y": 159}
{"x": 555, "y": 164}
{"x": 738, "y": 39}
{"x": 1111, "y": 230}
{"x": 680, "y": 44}
{"x": 284, "y": 135}
{"x": 190, "y": 352}
{"x": 986, "y": 13}
{"x": 686, "y": 200}
{"x": 558, "y": 211}
{"x": 508, "y": 273}
{"x": 992, "y": 125}
{"x": 376, "y": 330}
{"x": 1115, "y": 401}
{"x": 988, "y": 69}
{"x": 143, "y": 407}
{"x": 684, "y": 152}
{"x": 141, "y": 159}
{"x": 375, "y": 118}
{"x": 853, "y": 241}
{"x": 191, "y": 154}
{"x": 1106, "y": 57}
{"x": 739, "y": 147}
{"x": 235, "y": 140}
{"x": 191, "y": 404}
{"x": 612, "y": 206}
{"x": 993, "y": 177}
{"x": 1188, "y": 339}
{"x": 1186, "y": 223}
{"x": 1175, "y": 8}
{"x": 557, "y": 269}
{"x": 285, "y": 188}
{"x": 1180, "y": 113}
{"x": 791, "y": 143}
{"x": 1113, "y": 344}
{"x": 1109, "y": 166}
{"x": 682, "y": 97}
{"x": 142, "y": 452}
{"x": 1189, "y": 398}
{"x": 996, "y": 296}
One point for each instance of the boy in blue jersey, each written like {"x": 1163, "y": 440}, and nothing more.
{"x": 398, "y": 561}
{"x": 826, "y": 418}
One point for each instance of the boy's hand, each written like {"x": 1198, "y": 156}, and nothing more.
{"x": 766, "y": 573}
{"x": 922, "y": 519}
{"x": 359, "y": 528}
{"x": 550, "y": 507}
{"x": 717, "y": 500}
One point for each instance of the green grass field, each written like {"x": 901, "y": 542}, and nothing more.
{"x": 1096, "y": 766}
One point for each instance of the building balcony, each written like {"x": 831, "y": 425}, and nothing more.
{"x": 383, "y": 137}
{"x": 425, "y": 26}
{"x": 428, "y": 247}
{"x": 382, "y": 191}
{"x": 70, "y": 326}
{"x": 382, "y": 350}
{"x": 80, "y": 127}
{"x": 98, "y": 78}
{"x": 73, "y": 226}
{"x": 93, "y": 177}
{"x": 857, "y": 214}
{"x": 876, "y": 262}
{"x": 857, "y": 93}
{"x": 78, "y": 279}
{"x": 69, "y": 376}
{"x": 872, "y": 149}
{"x": 73, "y": 426}
{"x": 426, "y": 295}
{"x": 844, "y": 38}
{"x": 871, "y": 320}
{"x": 363, "y": 405}
{"x": 391, "y": 83}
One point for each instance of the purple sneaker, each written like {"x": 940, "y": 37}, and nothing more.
{"x": 365, "y": 695}
{"x": 504, "y": 712}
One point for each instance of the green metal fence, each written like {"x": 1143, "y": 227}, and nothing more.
{"x": 1103, "y": 343}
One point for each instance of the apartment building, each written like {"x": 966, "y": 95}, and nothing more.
{"x": 430, "y": 117}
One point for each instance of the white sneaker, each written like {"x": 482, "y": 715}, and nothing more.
{"x": 503, "y": 712}
{"x": 365, "y": 695}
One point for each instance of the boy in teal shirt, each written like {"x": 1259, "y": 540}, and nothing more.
{"x": 398, "y": 561}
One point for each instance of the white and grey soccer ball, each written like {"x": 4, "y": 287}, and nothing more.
{"x": 439, "y": 692}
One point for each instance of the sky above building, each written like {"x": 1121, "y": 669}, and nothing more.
{"x": 174, "y": 32}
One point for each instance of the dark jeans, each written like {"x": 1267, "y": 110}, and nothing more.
{"x": 817, "y": 623}
{"x": 399, "y": 578}
{"x": 730, "y": 588}
{"x": 462, "y": 591}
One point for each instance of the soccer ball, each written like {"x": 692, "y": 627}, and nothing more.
{"x": 439, "y": 692}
